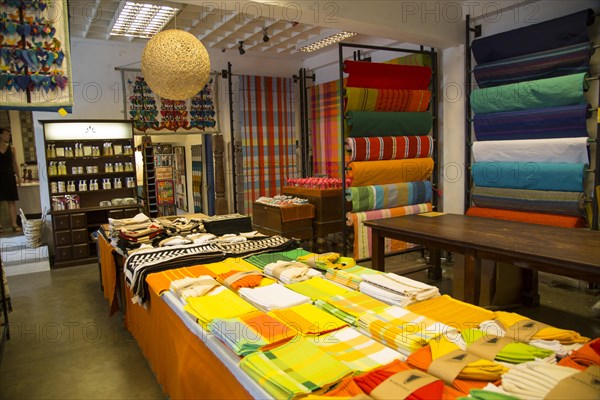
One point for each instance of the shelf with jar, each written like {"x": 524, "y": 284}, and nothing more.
{"x": 91, "y": 177}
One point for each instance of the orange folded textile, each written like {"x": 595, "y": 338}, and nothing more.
{"x": 584, "y": 357}
{"x": 161, "y": 281}
{"x": 346, "y": 388}
{"x": 452, "y": 312}
{"x": 383, "y": 172}
{"x": 248, "y": 279}
{"x": 435, "y": 390}
{"x": 421, "y": 359}
{"x": 563, "y": 221}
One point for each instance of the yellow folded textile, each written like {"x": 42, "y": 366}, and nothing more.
{"x": 564, "y": 336}
{"x": 452, "y": 312}
{"x": 319, "y": 261}
{"x": 225, "y": 304}
{"x": 480, "y": 370}
{"x": 308, "y": 319}
{"x": 350, "y": 305}
{"x": 367, "y": 173}
{"x": 239, "y": 264}
{"x": 317, "y": 288}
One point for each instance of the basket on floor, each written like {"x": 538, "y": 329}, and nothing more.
{"x": 33, "y": 230}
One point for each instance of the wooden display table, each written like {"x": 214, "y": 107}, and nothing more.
{"x": 294, "y": 221}
{"x": 562, "y": 251}
{"x": 329, "y": 216}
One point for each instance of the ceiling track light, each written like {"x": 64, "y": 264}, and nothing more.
{"x": 241, "y": 48}
{"x": 265, "y": 35}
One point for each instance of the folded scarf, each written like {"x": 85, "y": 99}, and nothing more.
{"x": 224, "y": 304}
{"x": 452, "y": 312}
{"x": 272, "y": 297}
{"x": 236, "y": 280}
{"x": 534, "y": 380}
{"x": 290, "y": 271}
{"x": 515, "y": 324}
{"x": 350, "y": 306}
{"x": 307, "y": 319}
{"x": 397, "y": 290}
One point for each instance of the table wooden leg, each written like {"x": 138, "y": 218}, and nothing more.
{"x": 472, "y": 278}
{"x": 530, "y": 295}
{"x": 378, "y": 251}
{"x": 434, "y": 273}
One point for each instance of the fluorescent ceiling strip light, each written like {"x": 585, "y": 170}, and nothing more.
{"x": 329, "y": 40}
{"x": 142, "y": 20}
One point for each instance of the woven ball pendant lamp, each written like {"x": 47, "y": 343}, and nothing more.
{"x": 175, "y": 64}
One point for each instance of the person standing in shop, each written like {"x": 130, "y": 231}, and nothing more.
{"x": 9, "y": 176}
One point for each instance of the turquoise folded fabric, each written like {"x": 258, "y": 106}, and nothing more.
{"x": 563, "y": 177}
{"x": 559, "y": 91}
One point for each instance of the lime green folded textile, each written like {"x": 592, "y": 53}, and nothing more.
{"x": 514, "y": 353}
{"x": 293, "y": 369}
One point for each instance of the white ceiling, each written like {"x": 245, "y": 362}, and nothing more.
{"x": 218, "y": 29}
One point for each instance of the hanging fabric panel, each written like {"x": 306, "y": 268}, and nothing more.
{"x": 558, "y": 32}
{"x": 362, "y": 234}
{"x": 565, "y": 90}
{"x": 366, "y": 173}
{"x": 547, "y": 64}
{"x": 530, "y": 217}
{"x": 268, "y": 141}
{"x": 554, "y": 202}
{"x": 387, "y": 76}
{"x": 561, "y": 150}
{"x": 326, "y": 131}
{"x": 541, "y": 123}
{"x": 389, "y": 148}
{"x": 365, "y": 198}
{"x": 364, "y": 99}
{"x": 564, "y": 177}
{"x": 362, "y": 123}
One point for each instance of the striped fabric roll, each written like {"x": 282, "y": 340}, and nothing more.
{"x": 365, "y": 198}
{"x": 564, "y": 177}
{"x": 546, "y": 64}
{"x": 362, "y": 234}
{"x": 541, "y": 123}
{"x": 389, "y": 148}
{"x": 566, "y": 90}
{"x": 364, "y": 99}
{"x": 554, "y": 202}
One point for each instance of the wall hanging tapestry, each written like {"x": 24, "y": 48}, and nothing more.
{"x": 35, "y": 59}
{"x": 325, "y": 126}
{"x": 268, "y": 138}
{"x": 152, "y": 114}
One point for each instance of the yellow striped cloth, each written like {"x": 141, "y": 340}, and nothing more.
{"x": 317, "y": 288}
{"x": 350, "y": 276}
{"x": 357, "y": 351}
{"x": 293, "y": 369}
{"x": 401, "y": 329}
{"x": 564, "y": 336}
{"x": 452, "y": 312}
{"x": 308, "y": 319}
{"x": 350, "y": 305}
{"x": 224, "y": 304}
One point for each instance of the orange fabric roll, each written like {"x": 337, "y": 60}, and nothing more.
{"x": 584, "y": 357}
{"x": 564, "y": 221}
{"x": 421, "y": 359}
{"x": 383, "y": 172}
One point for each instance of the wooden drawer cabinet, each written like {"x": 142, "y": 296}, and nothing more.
{"x": 62, "y": 238}
{"x": 61, "y": 222}
{"x": 78, "y": 220}
{"x": 81, "y": 251}
{"x": 116, "y": 214}
{"x": 63, "y": 253}
{"x": 79, "y": 236}
{"x": 270, "y": 221}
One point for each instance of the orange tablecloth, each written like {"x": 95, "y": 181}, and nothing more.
{"x": 108, "y": 272}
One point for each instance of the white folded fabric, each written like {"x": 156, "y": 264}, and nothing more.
{"x": 138, "y": 219}
{"x": 201, "y": 238}
{"x": 534, "y": 379}
{"x": 194, "y": 287}
{"x": 272, "y": 297}
{"x": 567, "y": 150}
{"x": 290, "y": 271}
{"x": 395, "y": 289}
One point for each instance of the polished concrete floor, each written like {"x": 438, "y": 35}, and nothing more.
{"x": 64, "y": 345}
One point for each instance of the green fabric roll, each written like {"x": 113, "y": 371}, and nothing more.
{"x": 566, "y": 90}
{"x": 374, "y": 123}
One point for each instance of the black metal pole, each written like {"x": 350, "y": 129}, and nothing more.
{"x": 232, "y": 138}
{"x": 467, "y": 113}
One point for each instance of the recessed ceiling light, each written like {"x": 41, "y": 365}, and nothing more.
{"x": 142, "y": 20}
{"x": 327, "y": 41}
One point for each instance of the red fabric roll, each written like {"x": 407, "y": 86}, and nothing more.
{"x": 389, "y": 148}
{"x": 386, "y": 76}
{"x": 563, "y": 221}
